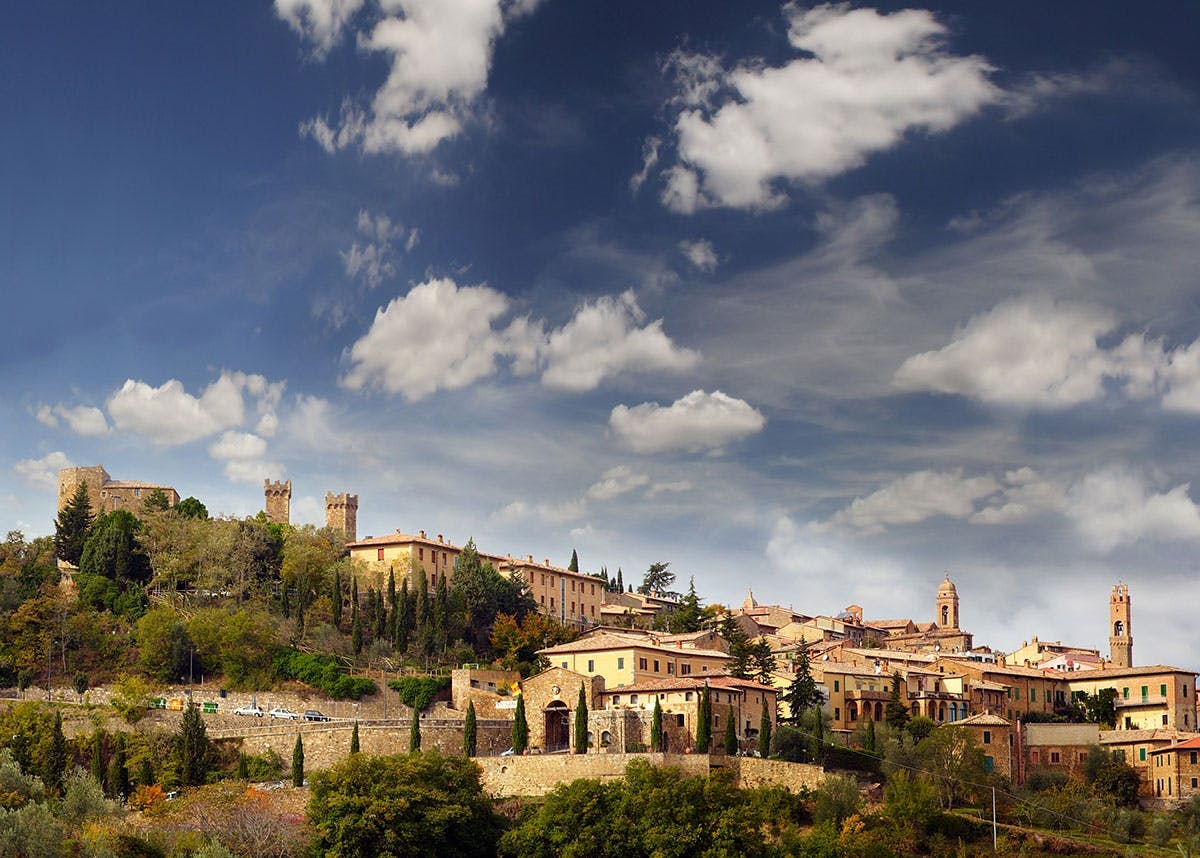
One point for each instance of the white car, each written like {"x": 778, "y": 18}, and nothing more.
{"x": 250, "y": 709}
{"x": 284, "y": 713}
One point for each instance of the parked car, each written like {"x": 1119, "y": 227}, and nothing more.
{"x": 510, "y": 752}
{"x": 314, "y": 715}
{"x": 284, "y": 713}
{"x": 250, "y": 709}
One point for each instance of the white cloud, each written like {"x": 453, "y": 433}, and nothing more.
{"x": 649, "y": 159}
{"x": 865, "y": 81}
{"x": 616, "y": 481}
{"x": 670, "y": 487}
{"x": 604, "y": 339}
{"x": 319, "y": 22}
{"x": 1024, "y": 352}
{"x": 43, "y": 472}
{"x": 1024, "y": 497}
{"x": 442, "y": 336}
{"x": 1116, "y": 506}
{"x": 438, "y": 337}
{"x": 169, "y": 415}
{"x": 696, "y": 422}
{"x": 440, "y": 54}
{"x": 238, "y": 445}
{"x": 916, "y": 497}
{"x": 253, "y": 471}
{"x": 700, "y": 254}
{"x": 81, "y": 419}
{"x": 375, "y": 260}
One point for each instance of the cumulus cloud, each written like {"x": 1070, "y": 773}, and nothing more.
{"x": 1116, "y": 506}
{"x": 700, "y": 253}
{"x": 916, "y": 497}
{"x": 864, "y": 81}
{"x": 1035, "y": 352}
{"x": 43, "y": 472}
{"x": 244, "y": 456}
{"x": 440, "y": 54}
{"x": 1024, "y": 496}
{"x": 442, "y": 336}
{"x": 604, "y": 339}
{"x": 168, "y": 415}
{"x": 616, "y": 482}
{"x": 698, "y": 421}
{"x": 80, "y": 419}
{"x": 318, "y": 22}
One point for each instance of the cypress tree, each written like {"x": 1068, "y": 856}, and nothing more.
{"x": 620, "y": 584}
{"x": 391, "y": 603}
{"x": 298, "y": 762}
{"x": 469, "y": 731}
{"x": 869, "y": 738}
{"x": 731, "y": 739}
{"x": 354, "y": 739}
{"x": 414, "y": 734}
{"x": 72, "y": 526}
{"x": 98, "y": 757}
{"x": 146, "y": 772}
{"x": 192, "y": 745}
{"x": 243, "y": 767}
{"x": 818, "y": 735}
{"x": 656, "y": 727}
{"x": 56, "y": 756}
{"x": 520, "y": 728}
{"x": 118, "y": 772}
{"x": 704, "y": 721}
{"x": 441, "y": 614}
{"x": 573, "y": 566}
{"x": 356, "y": 640}
{"x": 335, "y": 598}
{"x": 764, "y": 734}
{"x": 404, "y": 619}
{"x": 581, "y": 722}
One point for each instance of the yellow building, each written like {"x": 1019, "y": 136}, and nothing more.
{"x": 572, "y": 597}
{"x": 628, "y": 659}
{"x": 1175, "y": 770}
{"x": 1151, "y": 697}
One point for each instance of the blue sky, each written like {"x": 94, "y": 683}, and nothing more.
{"x": 827, "y": 300}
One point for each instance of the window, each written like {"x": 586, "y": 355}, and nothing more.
{"x": 670, "y": 667}
{"x": 633, "y": 698}
{"x": 1193, "y": 760}
{"x": 1185, "y": 689}
{"x": 1194, "y": 782}
{"x": 1125, "y": 693}
{"x": 620, "y": 662}
{"x": 987, "y": 737}
{"x": 1145, "y": 691}
{"x": 552, "y": 603}
{"x": 592, "y": 608}
{"x": 543, "y": 598}
{"x": 421, "y": 554}
{"x": 1162, "y": 689}
{"x": 1035, "y": 756}
{"x": 564, "y": 664}
{"x": 687, "y": 695}
{"x": 988, "y": 765}
{"x": 836, "y": 685}
{"x": 591, "y": 666}
{"x": 572, "y": 586}
{"x": 616, "y": 699}
{"x": 1119, "y": 756}
{"x": 543, "y": 580}
{"x": 1164, "y": 720}
{"x": 593, "y": 589}
{"x": 679, "y": 723}
{"x": 656, "y": 665}
{"x": 1016, "y": 694}
{"x": 716, "y": 720}
{"x": 837, "y": 714}
{"x": 379, "y": 554}
{"x": 685, "y": 669}
{"x": 1142, "y": 754}
{"x": 641, "y": 664}
{"x": 572, "y": 607}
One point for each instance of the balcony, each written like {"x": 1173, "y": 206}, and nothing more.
{"x": 1141, "y": 700}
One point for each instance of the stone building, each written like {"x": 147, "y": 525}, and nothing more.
{"x": 1059, "y": 747}
{"x": 995, "y": 737}
{"x": 106, "y": 494}
{"x": 1175, "y": 770}
{"x": 341, "y": 513}
{"x": 278, "y": 501}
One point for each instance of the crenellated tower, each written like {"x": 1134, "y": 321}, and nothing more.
{"x": 1120, "y": 620}
{"x": 279, "y": 501}
{"x": 341, "y": 513}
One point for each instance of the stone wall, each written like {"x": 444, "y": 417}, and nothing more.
{"x": 538, "y": 774}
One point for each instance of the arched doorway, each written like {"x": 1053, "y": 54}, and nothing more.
{"x": 558, "y": 726}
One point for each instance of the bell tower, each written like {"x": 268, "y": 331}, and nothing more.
{"x": 1120, "y": 622}
{"x": 946, "y": 615}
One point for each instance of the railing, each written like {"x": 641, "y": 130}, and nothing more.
{"x": 1141, "y": 700}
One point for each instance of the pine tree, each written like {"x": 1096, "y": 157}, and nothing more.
{"x": 762, "y": 662}
{"x": 414, "y": 733}
{"x": 118, "y": 772}
{"x": 689, "y": 615}
{"x": 56, "y": 756}
{"x": 656, "y": 727}
{"x": 573, "y": 566}
{"x": 520, "y": 728}
{"x": 739, "y": 647}
{"x": 354, "y": 739}
{"x": 192, "y": 747}
{"x": 298, "y": 762}
{"x": 704, "y": 721}
{"x": 803, "y": 693}
{"x": 469, "y": 731}
{"x": 731, "y": 739}
{"x": 581, "y": 722}
{"x": 764, "y": 734}
{"x": 72, "y": 526}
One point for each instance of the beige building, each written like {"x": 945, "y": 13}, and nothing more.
{"x": 1137, "y": 747}
{"x": 106, "y": 494}
{"x": 571, "y": 597}
{"x": 1175, "y": 770}
{"x": 1059, "y": 747}
{"x": 629, "y": 659}
{"x": 996, "y": 738}
{"x": 1151, "y": 697}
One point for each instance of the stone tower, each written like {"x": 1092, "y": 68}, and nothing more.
{"x": 947, "y": 605}
{"x": 279, "y": 501}
{"x": 70, "y": 478}
{"x": 341, "y": 513}
{"x": 1120, "y": 620}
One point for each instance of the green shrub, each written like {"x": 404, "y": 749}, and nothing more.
{"x": 323, "y": 672}
{"x": 419, "y": 691}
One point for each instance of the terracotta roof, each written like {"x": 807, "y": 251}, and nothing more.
{"x": 985, "y": 719}
{"x": 1112, "y": 737}
{"x": 400, "y": 538}
{"x": 1187, "y": 745}
{"x": 1136, "y": 671}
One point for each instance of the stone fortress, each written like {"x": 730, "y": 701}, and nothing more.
{"x": 107, "y": 494}
{"x": 341, "y": 510}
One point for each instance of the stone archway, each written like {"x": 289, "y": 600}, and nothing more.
{"x": 558, "y": 727}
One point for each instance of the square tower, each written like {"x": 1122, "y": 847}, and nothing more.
{"x": 279, "y": 501}
{"x": 1120, "y": 620}
{"x": 341, "y": 513}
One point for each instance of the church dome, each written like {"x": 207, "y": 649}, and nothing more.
{"x": 947, "y": 588}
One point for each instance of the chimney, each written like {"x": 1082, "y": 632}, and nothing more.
{"x": 439, "y": 537}
{"x": 421, "y": 533}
